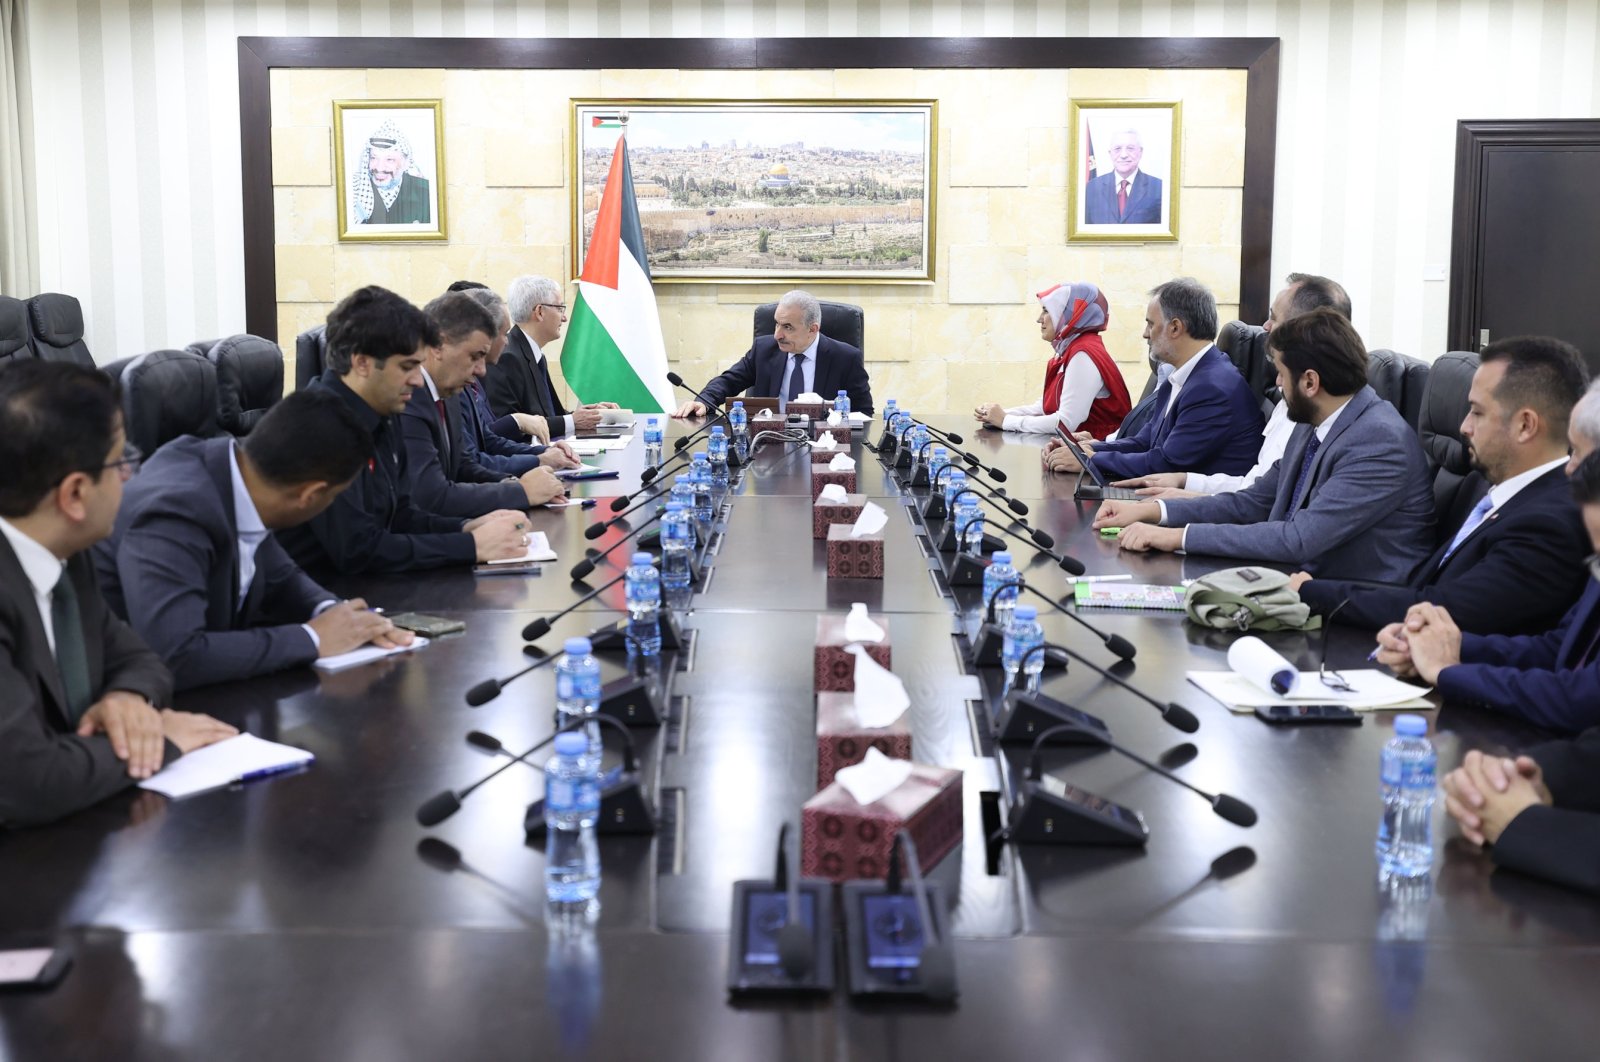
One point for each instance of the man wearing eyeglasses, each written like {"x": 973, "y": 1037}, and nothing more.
{"x": 78, "y": 689}
{"x": 520, "y": 381}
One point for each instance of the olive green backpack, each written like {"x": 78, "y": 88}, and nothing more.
{"x": 1248, "y": 599}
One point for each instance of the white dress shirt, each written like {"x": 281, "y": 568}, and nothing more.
{"x": 251, "y": 533}
{"x": 1274, "y": 440}
{"x": 808, "y": 374}
{"x": 1501, "y": 493}
{"x": 1180, "y": 376}
{"x": 43, "y": 570}
{"x": 1081, "y": 384}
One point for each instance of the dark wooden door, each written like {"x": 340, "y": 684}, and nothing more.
{"x": 1527, "y": 232}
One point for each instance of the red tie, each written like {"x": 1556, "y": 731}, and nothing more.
{"x": 444, "y": 422}
{"x": 1122, "y": 198}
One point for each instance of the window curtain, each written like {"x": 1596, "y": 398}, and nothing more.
{"x": 19, "y": 242}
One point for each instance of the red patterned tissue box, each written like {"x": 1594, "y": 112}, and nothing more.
{"x": 835, "y": 669}
{"x": 840, "y": 433}
{"x": 843, "y": 741}
{"x": 842, "y": 840}
{"x": 822, "y": 475}
{"x": 825, "y": 514}
{"x": 814, "y": 410}
{"x": 822, "y": 457}
{"x": 851, "y": 557}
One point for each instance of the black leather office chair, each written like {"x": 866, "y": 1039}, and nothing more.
{"x": 1246, "y": 346}
{"x": 165, "y": 394}
{"x": 249, "y": 379}
{"x": 1444, "y": 406}
{"x": 310, "y": 351}
{"x": 1400, "y": 380}
{"x": 13, "y": 329}
{"x": 841, "y": 321}
{"x": 55, "y": 322}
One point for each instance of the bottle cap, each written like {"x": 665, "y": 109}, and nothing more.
{"x": 1002, "y": 557}
{"x": 699, "y": 455}
{"x": 651, "y": 421}
{"x": 738, "y": 405}
{"x": 717, "y": 430}
{"x": 674, "y": 507}
{"x": 577, "y": 647}
{"x": 571, "y": 743}
{"x": 1408, "y": 725}
{"x": 843, "y": 392}
{"x": 1027, "y": 612}
{"x": 644, "y": 560}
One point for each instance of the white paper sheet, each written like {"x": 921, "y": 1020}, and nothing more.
{"x": 224, "y": 763}
{"x": 1372, "y": 689}
{"x": 880, "y": 696}
{"x": 858, "y": 626}
{"x": 870, "y": 522}
{"x": 858, "y": 417}
{"x": 842, "y": 463}
{"x": 1263, "y": 665}
{"x": 874, "y": 777}
{"x": 832, "y": 492}
{"x": 365, "y": 655}
{"x": 538, "y": 550}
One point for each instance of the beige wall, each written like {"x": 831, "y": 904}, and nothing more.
{"x": 939, "y": 347}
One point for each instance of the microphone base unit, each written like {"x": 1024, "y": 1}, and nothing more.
{"x": 967, "y": 570}
{"x": 884, "y": 937}
{"x": 760, "y": 910}
{"x": 936, "y": 508}
{"x": 1052, "y": 812}
{"x": 902, "y": 458}
{"x": 919, "y": 478}
{"x": 991, "y": 640}
{"x": 633, "y": 700}
{"x": 947, "y": 541}
{"x": 623, "y": 810}
{"x": 1025, "y": 714}
{"x": 613, "y": 637}
{"x": 886, "y": 442}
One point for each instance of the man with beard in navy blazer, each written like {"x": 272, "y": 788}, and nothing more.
{"x": 795, "y": 359}
{"x": 1522, "y": 529}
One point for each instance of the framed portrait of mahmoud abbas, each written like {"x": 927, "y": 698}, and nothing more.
{"x": 1125, "y": 167}
{"x": 389, "y": 169}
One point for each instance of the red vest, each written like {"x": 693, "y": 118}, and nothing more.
{"x": 1105, "y": 414}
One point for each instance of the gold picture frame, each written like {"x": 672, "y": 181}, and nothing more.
{"x": 404, "y": 137}
{"x": 842, "y": 191}
{"x": 1147, "y": 133}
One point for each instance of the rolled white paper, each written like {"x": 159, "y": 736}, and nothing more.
{"x": 1263, "y": 665}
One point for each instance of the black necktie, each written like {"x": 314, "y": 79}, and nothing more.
{"x": 72, "y": 657}
{"x": 796, "y": 379}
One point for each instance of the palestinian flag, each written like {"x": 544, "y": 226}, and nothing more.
{"x": 614, "y": 351}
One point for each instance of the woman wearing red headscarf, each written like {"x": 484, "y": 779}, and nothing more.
{"x": 1083, "y": 388}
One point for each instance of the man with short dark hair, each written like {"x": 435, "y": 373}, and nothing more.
{"x": 376, "y": 342}
{"x": 1303, "y": 293}
{"x": 192, "y": 563}
{"x": 1513, "y": 562}
{"x": 441, "y": 476}
{"x": 78, "y": 689}
{"x": 1206, "y": 421}
{"x": 1551, "y": 679}
{"x": 1351, "y": 496}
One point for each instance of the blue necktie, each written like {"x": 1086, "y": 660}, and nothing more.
{"x": 796, "y": 378}
{"x": 1303, "y": 481}
{"x": 1480, "y": 512}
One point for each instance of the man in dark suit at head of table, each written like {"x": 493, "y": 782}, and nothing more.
{"x": 797, "y": 358}
{"x": 193, "y": 564}
{"x": 78, "y": 690}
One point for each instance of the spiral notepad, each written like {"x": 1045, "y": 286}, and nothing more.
{"x": 1128, "y": 595}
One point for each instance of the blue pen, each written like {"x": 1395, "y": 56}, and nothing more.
{"x": 268, "y": 772}
{"x": 1372, "y": 656}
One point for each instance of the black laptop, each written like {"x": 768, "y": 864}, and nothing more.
{"x": 1099, "y": 490}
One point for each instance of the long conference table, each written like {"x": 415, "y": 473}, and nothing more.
{"x": 296, "y": 918}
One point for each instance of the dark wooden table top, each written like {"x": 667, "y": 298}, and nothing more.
{"x": 296, "y": 917}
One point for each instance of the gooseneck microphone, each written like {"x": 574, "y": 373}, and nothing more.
{"x": 1177, "y": 716}
{"x": 936, "y": 964}
{"x": 1115, "y": 642}
{"x": 489, "y": 689}
{"x": 949, "y": 436}
{"x": 650, "y": 473}
{"x": 540, "y": 627}
{"x": 1036, "y": 538}
{"x": 583, "y": 568}
{"x": 795, "y": 949}
{"x": 441, "y": 806}
{"x": 1227, "y": 807}
{"x": 621, "y": 507}
{"x": 677, "y": 381}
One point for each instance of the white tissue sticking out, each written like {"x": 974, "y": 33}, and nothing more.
{"x": 870, "y": 522}
{"x": 809, "y": 396}
{"x": 880, "y": 696}
{"x": 832, "y": 492}
{"x": 874, "y": 777}
{"x": 835, "y": 418}
{"x": 827, "y": 442}
{"x": 1262, "y": 665}
{"x": 858, "y": 626}
{"x": 842, "y": 463}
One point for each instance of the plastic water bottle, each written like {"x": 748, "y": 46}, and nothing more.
{"x": 918, "y": 439}
{"x": 700, "y": 464}
{"x": 841, "y": 405}
{"x": 1023, "y": 634}
{"x": 890, "y": 408}
{"x": 704, "y": 500}
{"x": 677, "y": 544}
{"x": 969, "y": 526}
{"x": 683, "y": 491}
{"x": 717, "y": 456}
{"x": 578, "y": 691}
{"x": 644, "y": 607}
{"x": 571, "y": 809}
{"x": 652, "y": 441}
{"x": 938, "y": 458}
{"x": 1405, "y": 832}
{"x": 739, "y": 422}
{"x": 1000, "y": 573}
{"x": 898, "y": 423}
{"x": 954, "y": 483}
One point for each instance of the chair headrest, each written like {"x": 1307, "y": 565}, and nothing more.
{"x": 13, "y": 326}
{"x": 56, "y": 319}
{"x": 168, "y": 393}
{"x": 1444, "y": 405}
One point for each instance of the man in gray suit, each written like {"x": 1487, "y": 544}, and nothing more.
{"x": 194, "y": 567}
{"x": 79, "y": 692}
{"x": 1349, "y": 499}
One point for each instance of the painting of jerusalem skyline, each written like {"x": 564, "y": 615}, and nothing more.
{"x": 768, "y": 192}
